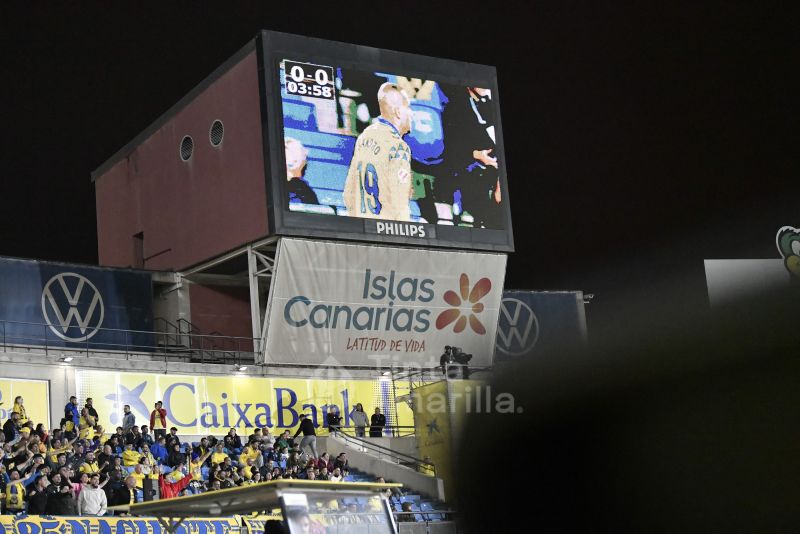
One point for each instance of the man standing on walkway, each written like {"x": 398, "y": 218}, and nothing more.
{"x": 309, "y": 435}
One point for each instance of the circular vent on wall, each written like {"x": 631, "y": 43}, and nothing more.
{"x": 216, "y": 133}
{"x": 187, "y": 147}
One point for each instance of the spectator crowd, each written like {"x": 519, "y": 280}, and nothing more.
{"x": 79, "y": 469}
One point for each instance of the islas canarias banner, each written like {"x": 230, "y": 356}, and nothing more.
{"x": 335, "y": 303}
{"x": 202, "y": 405}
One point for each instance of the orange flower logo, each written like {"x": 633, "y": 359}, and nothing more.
{"x": 481, "y": 288}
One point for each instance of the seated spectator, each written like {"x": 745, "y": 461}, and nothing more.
{"x": 106, "y": 456}
{"x": 283, "y": 441}
{"x": 130, "y": 457}
{"x": 203, "y": 448}
{"x": 255, "y": 436}
{"x": 336, "y": 475}
{"x": 146, "y": 453}
{"x": 219, "y": 455}
{"x": 90, "y": 466}
{"x": 196, "y": 466}
{"x": 236, "y": 441}
{"x": 115, "y": 467}
{"x": 134, "y": 437}
{"x": 342, "y": 463}
{"x": 138, "y": 475}
{"x": 408, "y": 515}
{"x": 173, "y": 438}
{"x": 249, "y": 452}
{"x": 11, "y": 428}
{"x": 159, "y": 450}
{"x": 176, "y": 457}
{"x": 267, "y": 438}
{"x": 147, "y": 437}
{"x": 41, "y": 432}
{"x": 115, "y": 444}
{"x": 325, "y": 461}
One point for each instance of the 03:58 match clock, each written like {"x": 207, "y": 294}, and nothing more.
{"x": 307, "y": 79}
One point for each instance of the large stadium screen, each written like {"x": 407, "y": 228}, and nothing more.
{"x": 384, "y": 146}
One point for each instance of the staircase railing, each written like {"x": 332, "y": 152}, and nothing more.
{"x": 402, "y": 458}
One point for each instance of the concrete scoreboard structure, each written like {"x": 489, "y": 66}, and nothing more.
{"x": 320, "y": 140}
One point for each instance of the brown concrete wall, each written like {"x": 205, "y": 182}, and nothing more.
{"x": 222, "y": 309}
{"x": 195, "y": 210}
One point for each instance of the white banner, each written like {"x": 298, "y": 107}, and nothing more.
{"x": 336, "y": 303}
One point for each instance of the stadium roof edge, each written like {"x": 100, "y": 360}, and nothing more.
{"x": 249, "y": 47}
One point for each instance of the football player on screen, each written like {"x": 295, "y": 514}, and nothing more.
{"x": 378, "y": 184}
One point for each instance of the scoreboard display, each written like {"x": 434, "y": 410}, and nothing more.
{"x": 376, "y": 145}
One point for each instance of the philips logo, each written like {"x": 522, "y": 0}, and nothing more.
{"x": 399, "y": 229}
{"x": 72, "y": 307}
{"x": 518, "y": 328}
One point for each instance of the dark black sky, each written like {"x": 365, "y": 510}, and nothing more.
{"x": 640, "y": 138}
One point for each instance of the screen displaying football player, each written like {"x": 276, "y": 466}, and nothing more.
{"x": 379, "y": 145}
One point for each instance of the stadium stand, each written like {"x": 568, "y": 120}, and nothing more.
{"x": 44, "y": 472}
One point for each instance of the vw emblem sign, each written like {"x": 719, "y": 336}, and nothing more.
{"x": 517, "y": 329}
{"x": 72, "y": 307}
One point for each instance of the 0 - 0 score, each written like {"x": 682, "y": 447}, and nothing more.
{"x": 307, "y": 79}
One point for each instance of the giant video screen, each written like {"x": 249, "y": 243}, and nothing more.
{"x": 374, "y": 145}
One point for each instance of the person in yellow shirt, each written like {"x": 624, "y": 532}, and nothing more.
{"x": 138, "y": 475}
{"x": 378, "y": 184}
{"x": 90, "y": 466}
{"x": 59, "y": 447}
{"x": 196, "y": 466}
{"x": 426, "y": 467}
{"x": 219, "y": 455}
{"x": 130, "y": 457}
{"x": 20, "y": 409}
{"x": 147, "y": 455}
{"x": 249, "y": 452}
{"x": 248, "y": 469}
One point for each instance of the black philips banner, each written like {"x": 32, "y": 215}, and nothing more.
{"x": 69, "y": 305}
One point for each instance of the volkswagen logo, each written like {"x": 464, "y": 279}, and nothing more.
{"x": 517, "y": 329}
{"x": 72, "y": 307}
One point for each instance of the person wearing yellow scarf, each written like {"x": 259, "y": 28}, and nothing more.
{"x": 20, "y": 409}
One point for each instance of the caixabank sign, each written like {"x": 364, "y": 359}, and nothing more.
{"x": 44, "y": 303}
{"x": 379, "y": 306}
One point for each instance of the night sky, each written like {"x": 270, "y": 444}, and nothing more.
{"x": 640, "y": 139}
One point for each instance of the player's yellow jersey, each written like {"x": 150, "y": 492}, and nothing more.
{"x": 378, "y": 184}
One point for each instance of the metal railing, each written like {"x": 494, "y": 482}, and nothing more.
{"x": 395, "y": 431}
{"x": 173, "y": 346}
{"x": 401, "y": 458}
